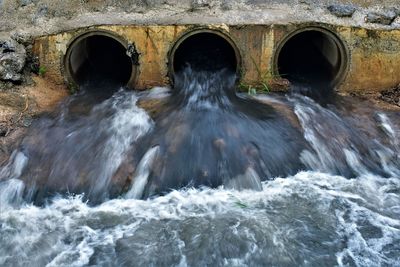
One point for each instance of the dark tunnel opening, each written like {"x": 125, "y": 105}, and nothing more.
{"x": 97, "y": 59}
{"x": 312, "y": 58}
{"x": 205, "y": 51}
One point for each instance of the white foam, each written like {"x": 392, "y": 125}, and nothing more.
{"x": 126, "y": 125}
{"x": 142, "y": 173}
{"x": 68, "y": 232}
{"x": 15, "y": 167}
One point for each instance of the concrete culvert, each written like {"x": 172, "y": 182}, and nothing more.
{"x": 204, "y": 50}
{"x": 99, "y": 57}
{"x": 312, "y": 57}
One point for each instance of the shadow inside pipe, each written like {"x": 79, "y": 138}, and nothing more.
{"x": 312, "y": 61}
{"x": 205, "y": 51}
{"x": 99, "y": 61}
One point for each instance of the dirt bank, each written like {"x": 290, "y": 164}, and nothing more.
{"x": 19, "y": 105}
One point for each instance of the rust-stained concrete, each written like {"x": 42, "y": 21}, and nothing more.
{"x": 373, "y": 54}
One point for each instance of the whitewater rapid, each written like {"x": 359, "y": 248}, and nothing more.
{"x": 310, "y": 219}
{"x": 343, "y": 209}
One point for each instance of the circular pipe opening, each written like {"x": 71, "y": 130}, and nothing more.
{"x": 99, "y": 57}
{"x": 204, "y": 50}
{"x": 312, "y": 56}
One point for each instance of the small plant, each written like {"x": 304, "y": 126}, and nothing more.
{"x": 265, "y": 88}
{"x": 73, "y": 88}
{"x": 251, "y": 91}
{"x": 268, "y": 81}
{"x": 42, "y": 71}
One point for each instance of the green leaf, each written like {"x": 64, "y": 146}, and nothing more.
{"x": 241, "y": 204}
{"x": 42, "y": 71}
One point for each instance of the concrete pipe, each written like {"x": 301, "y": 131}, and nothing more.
{"x": 204, "y": 49}
{"x": 312, "y": 56}
{"x": 100, "y": 56}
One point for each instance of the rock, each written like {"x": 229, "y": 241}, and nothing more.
{"x": 201, "y": 4}
{"x": 231, "y": 5}
{"x": 42, "y": 11}
{"x": 384, "y": 17}
{"x": 9, "y": 140}
{"x": 152, "y": 106}
{"x": 6, "y": 85}
{"x": 22, "y": 37}
{"x": 33, "y": 64}
{"x": 3, "y": 129}
{"x": 13, "y": 100}
{"x": 27, "y": 2}
{"x": 279, "y": 84}
{"x": 391, "y": 96}
{"x": 342, "y": 10}
{"x": 27, "y": 121}
{"x": 12, "y": 60}
{"x": 219, "y": 143}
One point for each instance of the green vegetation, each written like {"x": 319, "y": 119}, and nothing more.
{"x": 263, "y": 86}
{"x": 42, "y": 71}
{"x": 73, "y": 88}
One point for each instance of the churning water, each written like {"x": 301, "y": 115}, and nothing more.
{"x": 202, "y": 176}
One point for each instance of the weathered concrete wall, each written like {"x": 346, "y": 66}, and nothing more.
{"x": 373, "y": 55}
{"x": 256, "y": 26}
{"x": 374, "y": 59}
{"x": 38, "y": 17}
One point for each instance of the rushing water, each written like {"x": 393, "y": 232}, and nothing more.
{"x": 202, "y": 176}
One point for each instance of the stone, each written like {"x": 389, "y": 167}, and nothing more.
{"x": 391, "y": 96}
{"x": 42, "y": 11}
{"x": 232, "y": 5}
{"x": 201, "y": 4}
{"x": 227, "y": 5}
{"x": 27, "y": 2}
{"x": 279, "y": 84}
{"x": 22, "y": 37}
{"x": 342, "y": 10}
{"x": 33, "y": 64}
{"x": 384, "y": 17}
{"x": 4, "y": 129}
{"x": 27, "y": 121}
{"x": 12, "y": 60}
